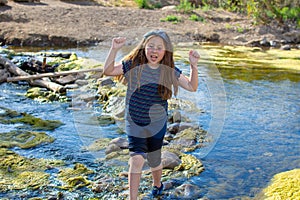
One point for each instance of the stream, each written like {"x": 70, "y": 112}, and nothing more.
{"x": 252, "y": 114}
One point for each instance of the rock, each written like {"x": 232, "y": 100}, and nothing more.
{"x": 253, "y": 43}
{"x": 112, "y": 148}
{"x": 292, "y": 37}
{"x": 105, "y": 81}
{"x": 214, "y": 37}
{"x": 167, "y": 185}
{"x": 264, "y": 42}
{"x": 186, "y": 125}
{"x": 116, "y": 107}
{"x": 176, "y": 116}
{"x": 286, "y": 47}
{"x": 184, "y": 142}
{"x": 168, "y": 137}
{"x": 120, "y": 142}
{"x": 169, "y": 8}
{"x": 81, "y": 82}
{"x": 173, "y": 128}
{"x": 274, "y": 43}
{"x": 187, "y": 191}
{"x": 66, "y": 79}
{"x": 105, "y": 120}
{"x": 170, "y": 160}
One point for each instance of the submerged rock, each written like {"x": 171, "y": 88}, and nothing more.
{"x": 187, "y": 191}
{"x": 24, "y": 139}
{"x": 9, "y": 116}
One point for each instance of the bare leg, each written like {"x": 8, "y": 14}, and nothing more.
{"x": 135, "y": 170}
{"x": 156, "y": 175}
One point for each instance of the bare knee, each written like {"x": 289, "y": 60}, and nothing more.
{"x": 136, "y": 164}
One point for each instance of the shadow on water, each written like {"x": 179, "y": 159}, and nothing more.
{"x": 260, "y": 134}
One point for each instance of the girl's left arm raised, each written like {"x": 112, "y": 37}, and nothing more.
{"x": 191, "y": 83}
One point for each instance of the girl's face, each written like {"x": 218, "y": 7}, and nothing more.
{"x": 155, "y": 51}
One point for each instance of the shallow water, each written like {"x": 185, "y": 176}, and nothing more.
{"x": 253, "y": 116}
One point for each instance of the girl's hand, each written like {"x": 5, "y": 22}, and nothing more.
{"x": 193, "y": 57}
{"x": 118, "y": 42}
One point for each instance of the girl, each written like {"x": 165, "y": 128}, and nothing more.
{"x": 152, "y": 79}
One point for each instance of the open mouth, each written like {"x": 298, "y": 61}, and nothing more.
{"x": 153, "y": 58}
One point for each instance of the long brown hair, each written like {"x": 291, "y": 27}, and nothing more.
{"x": 167, "y": 76}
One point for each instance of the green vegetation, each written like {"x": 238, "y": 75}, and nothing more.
{"x": 196, "y": 18}
{"x": 261, "y": 10}
{"x": 185, "y": 6}
{"x": 171, "y": 18}
{"x": 142, "y": 4}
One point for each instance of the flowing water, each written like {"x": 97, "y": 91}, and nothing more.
{"x": 252, "y": 114}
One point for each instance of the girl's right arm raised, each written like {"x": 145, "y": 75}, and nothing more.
{"x": 110, "y": 69}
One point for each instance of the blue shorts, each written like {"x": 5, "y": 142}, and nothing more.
{"x": 147, "y": 141}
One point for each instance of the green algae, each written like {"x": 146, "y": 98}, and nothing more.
{"x": 18, "y": 172}
{"x": 32, "y": 180}
{"x": 75, "y": 63}
{"x": 247, "y": 63}
{"x": 37, "y": 123}
{"x": 106, "y": 92}
{"x": 74, "y": 178}
{"x": 98, "y": 144}
{"x": 190, "y": 165}
{"x": 106, "y": 120}
{"x": 24, "y": 139}
{"x": 122, "y": 156}
{"x": 9, "y": 116}
{"x": 44, "y": 96}
{"x": 285, "y": 185}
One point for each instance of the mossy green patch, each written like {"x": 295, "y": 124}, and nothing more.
{"x": 37, "y": 123}
{"x": 98, "y": 144}
{"x": 24, "y": 139}
{"x": 75, "y": 177}
{"x": 285, "y": 185}
{"x": 43, "y": 95}
{"x": 190, "y": 166}
{"x": 18, "y": 172}
{"x": 237, "y": 57}
{"x": 8, "y": 116}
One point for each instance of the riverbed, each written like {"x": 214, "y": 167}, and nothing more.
{"x": 251, "y": 112}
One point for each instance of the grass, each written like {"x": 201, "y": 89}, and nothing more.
{"x": 171, "y": 18}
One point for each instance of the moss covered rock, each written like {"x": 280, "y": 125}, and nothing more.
{"x": 43, "y": 95}
{"x": 285, "y": 185}
{"x": 74, "y": 178}
{"x": 18, "y": 172}
{"x": 8, "y": 116}
{"x": 24, "y": 139}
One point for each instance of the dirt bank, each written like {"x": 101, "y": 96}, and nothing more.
{"x": 58, "y": 23}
